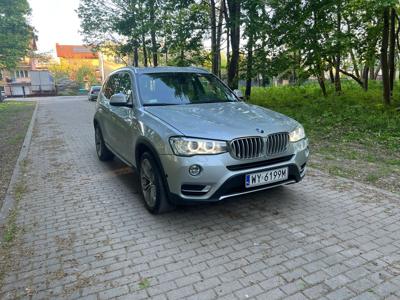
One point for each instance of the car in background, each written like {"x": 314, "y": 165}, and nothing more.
{"x": 94, "y": 92}
{"x": 192, "y": 139}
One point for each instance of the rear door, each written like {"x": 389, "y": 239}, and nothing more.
{"x": 105, "y": 107}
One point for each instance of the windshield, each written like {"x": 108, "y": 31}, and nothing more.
{"x": 182, "y": 88}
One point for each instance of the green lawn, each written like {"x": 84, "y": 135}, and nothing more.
{"x": 352, "y": 135}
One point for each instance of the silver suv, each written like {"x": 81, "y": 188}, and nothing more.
{"x": 192, "y": 139}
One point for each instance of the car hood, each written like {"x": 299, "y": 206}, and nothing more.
{"x": 224, "y": 121}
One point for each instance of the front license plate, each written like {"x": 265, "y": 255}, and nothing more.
{"x": 266, "y": 177}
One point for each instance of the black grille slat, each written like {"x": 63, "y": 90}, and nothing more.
{"x": 247, "y": 148}
{"x": 253, "y": 147}
{"x": 277, "y": 143}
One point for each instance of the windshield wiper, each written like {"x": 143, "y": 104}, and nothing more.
{"x": 212, "y": 101}
{"x": 160, "y": 104}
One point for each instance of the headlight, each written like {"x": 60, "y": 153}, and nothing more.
{"x": 297, "y": 134}
{"x": 191, "y": 146}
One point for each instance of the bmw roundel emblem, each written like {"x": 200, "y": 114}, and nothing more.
{"x": 259, "y": 130}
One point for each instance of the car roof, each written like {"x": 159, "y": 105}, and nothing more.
{"x": 149, "y": 70}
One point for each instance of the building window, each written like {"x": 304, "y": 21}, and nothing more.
{"x": 21, "y": 74}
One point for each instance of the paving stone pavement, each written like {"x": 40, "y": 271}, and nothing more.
{"x": 86, "y": 233}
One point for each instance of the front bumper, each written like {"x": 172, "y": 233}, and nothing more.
{"x": 223, "y": 176}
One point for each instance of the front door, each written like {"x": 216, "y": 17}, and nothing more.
{"x": 123, "y": 119}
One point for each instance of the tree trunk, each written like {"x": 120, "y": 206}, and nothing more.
{"x": 234, "y": 25}
{"x": 372, "y": 73}
{"x": 249, "y": 66}
{"x": 228, "y": 48}
{"x": 377, "y": 72}
{"x": 321, "y": 81}
{"x": 355, "y": 64}
{"x": 228, "y": 41}
{"x": 182, "y": 57}
{"x": 331, "y": 75}
{"x": 153, "y": 33}
{"x": 384, "y": 57}
{"x": 392, "y": 49}
{"x": 149, "y": 57}
{"x": 219, "y": 34}
{"x": 365, "y": 77}
{"x": 135, "y": 57}
{"x": 144, "y": 51}
{"x": 214, "y": 51}
{"x": 338, "y": 85}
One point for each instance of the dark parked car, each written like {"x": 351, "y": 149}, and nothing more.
{"x": 94, "y": 92}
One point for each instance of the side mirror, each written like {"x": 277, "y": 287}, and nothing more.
{"x": 119, "y": 99}
{"x": 239, "y": 94}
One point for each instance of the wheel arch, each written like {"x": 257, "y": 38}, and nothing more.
{"x": 143, "y": 145}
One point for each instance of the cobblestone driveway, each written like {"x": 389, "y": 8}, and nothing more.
{"x": 87, "y": 234}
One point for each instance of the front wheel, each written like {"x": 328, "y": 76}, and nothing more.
{"x": 102, "y": 151}
{"x": 152, "y": 186}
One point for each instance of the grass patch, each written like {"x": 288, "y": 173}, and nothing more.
{"x": 144, "y": 283}
{"x": 352, "y": 134}
{"x": 14, "y": 121}
{"x": 373, "y": 178}
{"x": 10, "y": 231}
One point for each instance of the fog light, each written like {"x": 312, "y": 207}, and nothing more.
{"x": 194, "y": 170}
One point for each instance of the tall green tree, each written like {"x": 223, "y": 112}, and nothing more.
{"x": 185, "y": 26}
{"x": 233, "y": 21}
{"x": 15, "y": 32}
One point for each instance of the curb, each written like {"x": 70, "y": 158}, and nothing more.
{"x": 9, "y": 200}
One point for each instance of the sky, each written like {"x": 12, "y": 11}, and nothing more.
{"x": 55, "y": 22}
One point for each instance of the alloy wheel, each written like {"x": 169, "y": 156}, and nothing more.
{"x": 148, "y": 183}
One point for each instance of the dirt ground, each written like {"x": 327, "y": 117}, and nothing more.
{"x": 370, "y": 164}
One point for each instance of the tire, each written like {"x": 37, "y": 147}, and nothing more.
{"x": 103, "y": 153}
{"x": 152, "y": 185}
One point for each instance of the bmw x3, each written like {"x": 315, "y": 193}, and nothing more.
{"x": 192, "y": 139}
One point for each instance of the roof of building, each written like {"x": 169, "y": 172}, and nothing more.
{"x": 75, "y": 51}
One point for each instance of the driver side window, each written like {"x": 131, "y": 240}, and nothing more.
{"x": 125, "y": 86}
{"x": 109, "y": 89}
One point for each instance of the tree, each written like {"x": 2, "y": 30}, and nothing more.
{"x": 392, "y": 48}
{"x": 15, "y": 32}
{"x": 185, "y": 25}
{"x": 304, "y": 31}
{"x": 384, "y": 56}
{"x": 214, "y": 45}
{"x": 233, "y": 23}
{"x": 252, "y": 8}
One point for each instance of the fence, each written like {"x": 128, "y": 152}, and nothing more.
{"x": 19, "y": 90}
